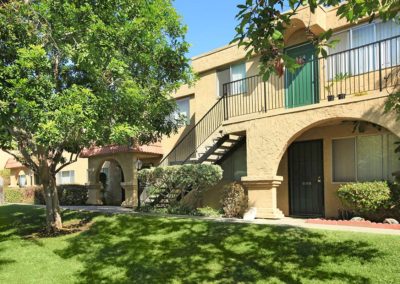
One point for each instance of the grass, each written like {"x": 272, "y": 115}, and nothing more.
{"x": 137, "y": 249}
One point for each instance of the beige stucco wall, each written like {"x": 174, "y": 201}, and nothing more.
{"x": 327, "y": 134}
{"x": 79, "y": 167}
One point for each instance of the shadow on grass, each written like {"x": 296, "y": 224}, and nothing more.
{"x": 24, "y": 220}
{"x": 132, "y": 249}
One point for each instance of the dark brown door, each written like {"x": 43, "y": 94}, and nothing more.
{"x": 306, "y": 187}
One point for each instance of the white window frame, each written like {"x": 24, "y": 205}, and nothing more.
{"x": 178, "y": 112}
{"x": 351, "y": 70}
{"x": 242, "y": 85}
{"x": 59, "y": 178}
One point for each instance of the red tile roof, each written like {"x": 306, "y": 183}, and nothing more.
{"x": 13, "y": 164}
{"x": 112, "y": 149}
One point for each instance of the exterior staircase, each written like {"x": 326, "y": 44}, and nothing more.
{"x": 204, "y": 143}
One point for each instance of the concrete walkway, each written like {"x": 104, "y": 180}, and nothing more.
{"x": 287, "y": 221}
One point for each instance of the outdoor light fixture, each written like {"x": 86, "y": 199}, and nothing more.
{"x": 139, "y": 164}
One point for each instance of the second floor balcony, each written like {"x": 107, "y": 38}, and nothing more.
{"x": 359, "y": 71}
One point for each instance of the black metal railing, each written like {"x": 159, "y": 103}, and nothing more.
{"x": 186, "y": 147}
{"x": 355, "y": 71}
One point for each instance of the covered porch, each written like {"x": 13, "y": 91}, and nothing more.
{"x": 112, "y": 173}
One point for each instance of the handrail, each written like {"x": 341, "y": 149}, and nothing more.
{"x": 252, "y": 94}
{"x": 186, "y": 136}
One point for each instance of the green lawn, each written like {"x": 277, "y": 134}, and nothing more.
{"x": 132, "y": 249}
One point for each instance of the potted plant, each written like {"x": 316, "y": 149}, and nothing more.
{"x": 337, "y": 79}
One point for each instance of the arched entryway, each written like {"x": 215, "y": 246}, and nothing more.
{"x": 269, "y": 138}
{"x": 331, "y": 153}
{"x": 111, "y": 176}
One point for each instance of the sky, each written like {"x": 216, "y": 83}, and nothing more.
{"x": 211, "y": 23}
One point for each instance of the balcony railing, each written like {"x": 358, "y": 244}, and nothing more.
{"x": 355, "y": 71}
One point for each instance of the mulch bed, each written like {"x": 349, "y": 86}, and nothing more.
{"x": 367, "y": 224}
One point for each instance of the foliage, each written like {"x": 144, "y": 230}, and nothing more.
{"x": 365, "y": 197}
{"x": 69, "y": 194}
{"x": 181, "y": 209}
{"x": 234, "y": 200}
{"x": 181, "y": 179}
{"x": 74, "y": 74}
{"x": 208, "y": 212}
{"x": 21, "y": 195}
{"x": 5, "y": 174}
{"x": 338, "y": 78}
{"x": 262, "y": 26}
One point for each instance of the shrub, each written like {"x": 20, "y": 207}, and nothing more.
{"x": 234, "y": 200}
{"x": 72, "y": 194}
{"x": 20, "y": 195}
{"x": 180, "y": 179}
{"x": 208, "y": 212}
{"x": 366, "y": 197}
{"x": 68, "y": 194}
{"x": 13, "y": 195}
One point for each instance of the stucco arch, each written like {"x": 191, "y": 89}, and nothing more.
{"x": 269, "y": 138}
{"x": 127, "y": 162}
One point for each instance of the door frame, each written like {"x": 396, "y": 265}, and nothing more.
{"x": 316, "y": 98}
{"x": 322, "y": 180}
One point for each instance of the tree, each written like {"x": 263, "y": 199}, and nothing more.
{"x": 79, "y": 73}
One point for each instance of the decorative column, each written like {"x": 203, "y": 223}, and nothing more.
{"x": 131, "y": 192}
{"x": 94, "y": 194}
{"x": 262, "y": 195}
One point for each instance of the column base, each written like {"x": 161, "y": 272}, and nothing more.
{"x": 262, "y": 195}
{"x": 269, "y": 213}
{"x": 131, "y": 200}
{"x": 94, "y": 194}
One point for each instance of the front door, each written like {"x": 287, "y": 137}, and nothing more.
{"x": 301, "y": 86}
{"x": 306, "y": 188}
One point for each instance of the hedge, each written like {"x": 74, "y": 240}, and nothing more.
{"x": 71, "y": 194}
{"x": 21, "y": 195}
{"x": 373, "y": 200}
{"x": 68, "y": 194}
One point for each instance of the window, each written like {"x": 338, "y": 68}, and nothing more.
{"x": 22, "y": 179}
{"x": 364, "y": 158}
{"x": 65, "y": 177}
{"x": 343, "y": 153}
{"x": 235, "y": 73}
{"x": 235, "y": 166}
{"x": 364, "y": 55}
{"x": 183, "y": 109}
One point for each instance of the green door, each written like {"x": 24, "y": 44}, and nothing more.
{"x": 301, "y": 86}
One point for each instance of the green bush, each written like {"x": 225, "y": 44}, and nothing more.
{"x": 13, "y": 195}
{"x": 69, "y": 194}
{"x": 180, "y": 179}
{"x": 234, "y": 200}
{"x": 20, "y": 195}
{"x": 208, "y": 212}
{"x": 373, "y": 200}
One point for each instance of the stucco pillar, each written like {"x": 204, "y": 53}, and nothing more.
{"x": 94, "y": 194}
{"x": 131, "y": 194}
{"x": 262, "y": 195}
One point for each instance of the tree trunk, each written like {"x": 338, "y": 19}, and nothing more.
{"x": 53, "y": 212}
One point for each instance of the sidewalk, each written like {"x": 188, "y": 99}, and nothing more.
{"x": 287, "y": 221}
